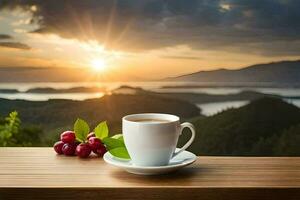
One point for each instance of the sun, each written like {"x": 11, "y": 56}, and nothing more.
{"x": 98, "y": 64}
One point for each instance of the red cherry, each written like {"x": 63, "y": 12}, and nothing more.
{"x": 94, "y": 143}
{"x": 58, "y": 147}
{"x": 68, "y": 137}
{"x": 76, "y": 144}
{"x": 100, "y": 151}
{"x": 69, "y": 149}
{"x": 91, "y": 134}
{"x": 83, "y": 150}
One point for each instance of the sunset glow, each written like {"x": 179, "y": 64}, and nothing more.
{"x": 98, "y": 64}
{"x": 127, "y": 45}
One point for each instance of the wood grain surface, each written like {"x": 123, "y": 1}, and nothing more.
{"x": 38, "y": 173}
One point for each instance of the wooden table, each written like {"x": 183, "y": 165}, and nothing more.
{"x": 38, "y": 173}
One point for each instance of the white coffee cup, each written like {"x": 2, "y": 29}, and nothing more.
{"x": 153, "y": 143}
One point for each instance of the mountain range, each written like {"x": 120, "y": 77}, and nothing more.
{"x": 283, "y": 72}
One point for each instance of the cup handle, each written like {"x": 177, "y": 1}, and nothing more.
{"x": 192, "y": 129}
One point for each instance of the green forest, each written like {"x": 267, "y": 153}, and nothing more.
{"x": 267, "y": 126}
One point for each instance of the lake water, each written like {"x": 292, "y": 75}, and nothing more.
{"x": 207, "y": 108}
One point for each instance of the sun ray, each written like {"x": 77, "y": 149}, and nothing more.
{"x": 98, "y": 64}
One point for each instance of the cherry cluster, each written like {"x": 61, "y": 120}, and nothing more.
{"x": 70, "y": 147}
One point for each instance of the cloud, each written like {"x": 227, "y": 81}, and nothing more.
{"x": 138, "y": 25}
{"x": 182, "y": 57}
{"x": 5, "y": 36}
{"x": 15, "y": 45}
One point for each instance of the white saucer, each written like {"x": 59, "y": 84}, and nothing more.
{"x": 181, "y": 160}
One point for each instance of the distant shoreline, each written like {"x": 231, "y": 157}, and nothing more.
{"x": 179, "y": 85}
{"x": 220, "y": 85}
{"x": 192, "y": 97}
{"x": 50, "y": 90}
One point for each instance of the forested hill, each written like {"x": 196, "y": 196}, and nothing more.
{"x": 57, "y": 113}
{"x": 268, "y": 126}
{"x": 265, "y": 127}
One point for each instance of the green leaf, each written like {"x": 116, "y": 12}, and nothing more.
{"x": 10, "y": 130}
{"x": 120, "y": 152}
{"x": 112, "y": 143}
{"x": 118, "y": 136}
{"x": 81, "y": 129}
{"x": 101, "y": 130}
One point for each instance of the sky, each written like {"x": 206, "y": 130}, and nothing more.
{"x": 148, "y": 38}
